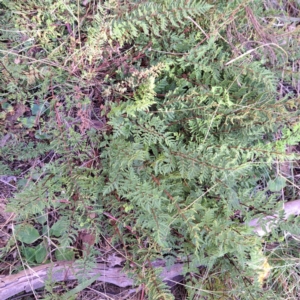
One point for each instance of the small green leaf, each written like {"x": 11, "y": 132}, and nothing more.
{"x": 8, "y": 107}
{"x": 38, "y": 109}
{"x": 45, "y": 230}
{"x": 42, "y": 136}
{"x": 28, "y": 122}
{"x": 40, "y": 253}
{"x": 26, "y": 233}
{"x": 36, "y": 175}
{"x": 128, "y": 207}
{"x": 64, "y": 254}
{"x": 277, "y": 184}
{"x": 22, "y": 182}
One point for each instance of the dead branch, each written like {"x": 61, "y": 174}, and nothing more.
{"x": 35, "y": 278}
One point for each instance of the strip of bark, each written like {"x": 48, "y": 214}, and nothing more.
{"x": 34, "y": 278}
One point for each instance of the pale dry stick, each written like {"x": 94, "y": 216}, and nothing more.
{"x": 9, "y": 220}
{"x": 67, "y": 270}
{"x": 165, "y": 52}
{"x": 291, "y": 182}
{"x": 278, "y": 173}
{"x": 211, "y": 122}
{"x": 69, "y": 10}
{"x": 116, "y": 220}
{"x": 33, "y": 166}
{"x": 174, "y": 218}
{"x": 70, "y": 58}
{"x": 251, "y": 50}
{"x": 55, "y": 50}
{"x": 230, "y": 19}
{"x": 79, "y": 23}
{"x": 45, "y": 61}
{"x": 18, "y": 46}
{"x": 41, "y": 162}
{"x": 206, "y": 35}
{"x": 199, "y": 197}
{"x": 5, "y": 182}
{"x": 17, "y": 31}
{"x": 252, "y": 106}
{"x": 121, "y": 254}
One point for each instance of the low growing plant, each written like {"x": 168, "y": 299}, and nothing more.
{"x": 157, "y": 125}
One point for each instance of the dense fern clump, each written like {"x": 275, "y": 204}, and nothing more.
{"x": 165, "y": 132}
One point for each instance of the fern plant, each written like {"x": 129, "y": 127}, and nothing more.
{"x": 193, "y": 126}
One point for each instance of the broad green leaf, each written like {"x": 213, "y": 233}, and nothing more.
{"x": 42, "y": 136}
{"x": 28, "y": 122}
{"x": 28, "y": 253}
{"x": 26, "y": 233}
{"x": 42, "y": 219}
{"x": 45, "y": 230}
{"x": 277, "y": 184}
{"x": 36, "y": 175}
{"x": 22, "y": 182}
{"x": 64, "y": 254}
{"x": 40, "y": 253}
{"x": 57, "y": 229}
{"x": 38, "y": 109}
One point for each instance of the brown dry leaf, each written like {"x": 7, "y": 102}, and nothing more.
{"x": 115, "y": 260}
{"x": 87, "y": 238}
{"x": 4, "y": 139}
{"x": 93, "y": 215}
{"x": 19, "y": 110}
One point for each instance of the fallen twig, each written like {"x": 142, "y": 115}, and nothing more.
{"x": 36, "y": 277}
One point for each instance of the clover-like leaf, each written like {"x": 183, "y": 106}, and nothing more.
{"x": 28, "y": 253}
{"x": 64, "y": 254}
{"x": 40, "y": 253}
{"x": 26, "y": 233}
{"x": 277, "y": 184}
{"x": 57, "y": 229}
